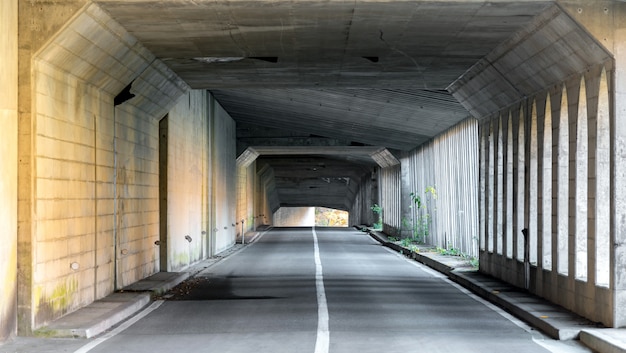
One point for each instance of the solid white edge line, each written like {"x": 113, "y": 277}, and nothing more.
{"x": 538, "y": 337}
{"x": 419, "y": 265}
{"x": 322, "y": 342}
{"x": 91, "y": 345}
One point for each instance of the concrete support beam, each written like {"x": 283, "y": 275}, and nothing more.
{"x": 8, "y": 168}
{"x": 37, "y": 24}
{"x": 618, "y": 162}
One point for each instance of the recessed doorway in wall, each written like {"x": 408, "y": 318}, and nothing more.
{"x": 162, "y": 243}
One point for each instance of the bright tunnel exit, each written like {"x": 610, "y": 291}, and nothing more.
{"x": 310, "y": 216}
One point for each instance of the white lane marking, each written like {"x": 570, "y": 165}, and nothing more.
{"x": 91, "y": 345}
{"x": 538, "y": 337}
{"x": 323, "y": 335}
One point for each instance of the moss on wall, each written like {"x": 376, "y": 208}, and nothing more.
{"x": 55, "y": 302}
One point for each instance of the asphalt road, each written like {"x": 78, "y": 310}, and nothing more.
{"x": 319, "y": 291}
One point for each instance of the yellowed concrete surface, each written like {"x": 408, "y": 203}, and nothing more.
{"x": 8, "y": 168}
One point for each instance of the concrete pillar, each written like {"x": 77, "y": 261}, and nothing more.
{"x": 606, "y": 21}
{"x": 519, "y": 174}
{"x": 8, "y": 168}
{"x": 619, "y": 175}
{"x": 37, "y": 22}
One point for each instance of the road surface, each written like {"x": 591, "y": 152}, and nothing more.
{"x": 322, "y": 290}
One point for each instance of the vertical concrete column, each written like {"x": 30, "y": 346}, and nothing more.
{"x": 533, "y": 186}
{"x": 519, "y": 191}
{"x": 405, "y": 199}
{"x": 561, "y": 251}
{"x": 572, "y": 99}
{"x": 8, "y": 168}
{"x": 542, "y": 213}
{"x": 592, "y": 182}
{"x": 603, "y": 191}
{"x": 499, "y": 180}
{"x": 482, "y": 138}
{"x": 582, "y": 173}
{"x": 618, "y": 163}
{"x": 547, "y": 191}
{"x": 489, "y": 186}
{"x": 508, "y": 185}
{"x": 516, "y": 208}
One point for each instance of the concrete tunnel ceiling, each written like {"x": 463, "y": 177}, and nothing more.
{"x": 352, "y": 73}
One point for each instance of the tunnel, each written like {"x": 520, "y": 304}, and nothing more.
{"x": 144, "y": 136}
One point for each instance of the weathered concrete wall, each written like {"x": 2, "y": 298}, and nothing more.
{"x": 90, "y": 176}
{"x": 444, "y": 175}
{"x": 186, "y": 192}
{"x": 224, "y": 170}
{"x": 367, "y": 195}
{"x": 294, "y": 217}
{"x": 246, "y": 181}
{"x": 262, "y": 201}
{"x": 8, "y": 169}
{"x": 545, "y": 144}
{"x": 606, "y": 21}
{"x": 390, "y": 181}
{"x": 618, "y": 229}
{"x": 547, "y": 170}
{"x": 37, "y": 22}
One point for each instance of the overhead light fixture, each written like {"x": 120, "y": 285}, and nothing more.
{"x": 230, "y": 59}
{"x": 219, "y": 59}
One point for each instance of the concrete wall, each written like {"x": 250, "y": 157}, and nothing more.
{"x": 367, "y": 195}
{"x": 262, "y": 201}
{"x": 560, "y": 177}
{"x": 246, "y": 182}
{"x": 36, "y": 25}
{"x": 443, "y": 173}
{"x": 8, "y": 169}
{"x": 605, "y": 20}
{"x": 187, "y": 178}
{"x": 546, "y": 115}
{"x": 390, "y": 181}
{"x": 90, "y": 170}
{"x": 224, "y": 170}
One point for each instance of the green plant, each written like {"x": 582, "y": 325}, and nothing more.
{"x": 421, "y": 227}
{"x": 392, "y": 239}
{"x": 451, "y": 251}
{"x": 406, "y": 242}
{"x": 379, "y": 211}
{"x": 473, "y": 261}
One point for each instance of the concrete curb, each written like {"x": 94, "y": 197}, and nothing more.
{"x": 158, "y": 283}
{"x": 98, "y": 316}
{"x": 605, "y": 340}
{"x": 553, "y": 320}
